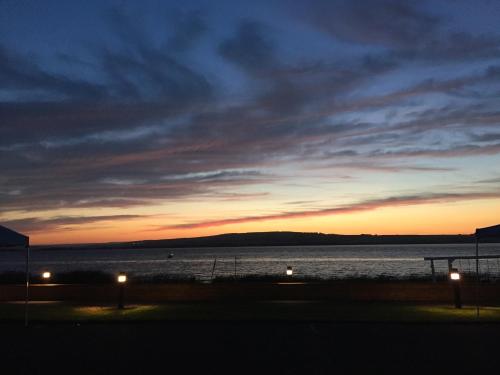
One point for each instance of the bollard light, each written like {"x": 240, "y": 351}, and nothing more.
{"x": 46, "y": 275}
{"x": 455, "y": 281}
{"x": 289, "y": 271}
{"x": 122, "y": 279}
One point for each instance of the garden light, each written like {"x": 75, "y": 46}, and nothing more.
{"x": 122, "y": 279}
{"x": 455, "y": 280}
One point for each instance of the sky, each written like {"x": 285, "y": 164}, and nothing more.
{"x": 129, "y": 120}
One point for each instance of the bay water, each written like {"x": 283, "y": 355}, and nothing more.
{"x": 324, "y": 262}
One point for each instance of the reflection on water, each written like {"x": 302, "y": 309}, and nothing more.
{"x": 316, "y": 261}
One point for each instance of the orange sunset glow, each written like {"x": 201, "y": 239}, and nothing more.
{"x": 445, "y": 218}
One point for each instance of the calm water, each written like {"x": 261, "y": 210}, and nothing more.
{"x": 317, "y": 261}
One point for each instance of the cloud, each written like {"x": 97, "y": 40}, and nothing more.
{"x": 453, "y": 46}
{"x": 215, "y": 176}
{"x": 152, "y": 125}
{"x": 486, "y": 137}
{"x": 407, "y": 30}
{"x": 249, "y": 48}
{"x": 490, "y": 181}
{"x": 389, "y": 23}
{"x": 368, "y": 205}
{"x": 19, "y": 73}
{"x": 188, "y": 28}
{"x": 94, "y": 143}
{"x": 456, "y": 151}
{"x": 43, "y": 192}
{"x": 227, "y": 141}
{"x": 365, "y": 164}
{"x": 34, "y": 224}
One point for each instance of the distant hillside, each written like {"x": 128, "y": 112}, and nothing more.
{"x": 284, "y": 239}
{"x": 300, "y": 239}
{"x": 287, "y": 239}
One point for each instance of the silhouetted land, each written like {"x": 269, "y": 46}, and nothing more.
{"x": 286, "y": 239}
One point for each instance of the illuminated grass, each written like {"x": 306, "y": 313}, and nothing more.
{"x": 465, "y": 313}
{"x": 323, "y": 311}
{"x": 108, "y": 312}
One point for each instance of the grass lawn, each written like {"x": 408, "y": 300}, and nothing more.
{"x": 293, "y": 310}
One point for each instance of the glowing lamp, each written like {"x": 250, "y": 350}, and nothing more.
{"x": 454, "y": 275}
{"x": 289, "y": 271}
{"x": 46, "y": 275}
{"x": 122, "y": 278}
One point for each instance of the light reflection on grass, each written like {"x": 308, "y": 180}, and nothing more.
{"x": 465, "y": 313}
{"x": 108, "y": 312}
{"x": 292, "y": 310}
{"x": 319, "y": 311}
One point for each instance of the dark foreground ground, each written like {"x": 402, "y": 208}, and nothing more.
{"x": 251, "y": 347}
{"x": 294, "y": 328}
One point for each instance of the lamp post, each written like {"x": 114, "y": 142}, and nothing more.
{"x": 455, "y": 281}
{"x": 122, "y": 279}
